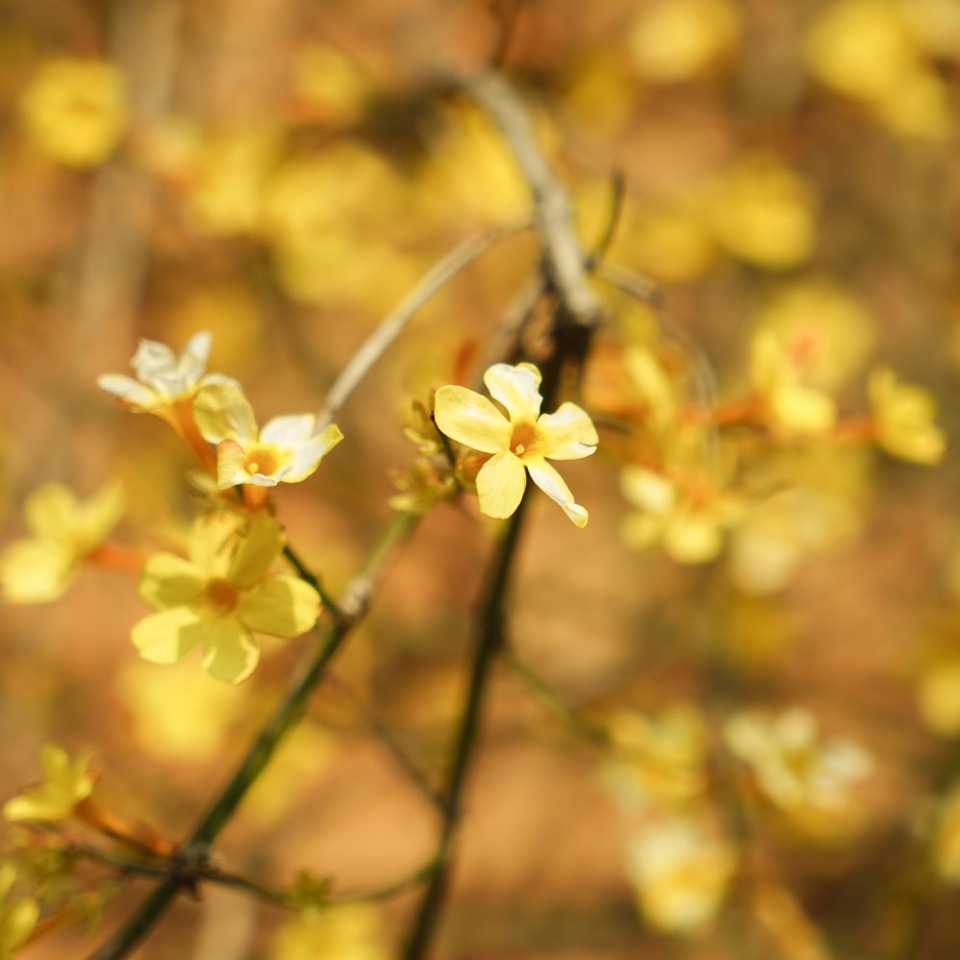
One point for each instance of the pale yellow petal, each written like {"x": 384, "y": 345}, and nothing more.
{"x": 52, "y": 512}
{"x": 223, "y": 412}
{"x": 517, "y": 388}
{"x": 257, "y": 548}
{"x": 568, "y": 434}
{"x": 551, "y": 483}
{"x": 308, "y": 454}
{"x": 281, "y": 606}
{"x": 168, "y": 636}
{"x": 36, "y": 571}
{"x": 229, "y": 651}
{"x": 471, "y": 419}
{"x": 169, "y": 581}
{"x": 102, "y": 512}
{"x": 500, "y": 485}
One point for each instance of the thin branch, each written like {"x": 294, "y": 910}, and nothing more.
{"x": 221, "y": 810}
{"x": 630, "y": 283}
{"x": 489, "y": 641}
{"x": 392, "y": 325}
{"x": 564, "y": 258}
{"x": 307, "y": 575}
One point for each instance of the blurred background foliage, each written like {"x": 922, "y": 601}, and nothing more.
{"x": 761, "y": 646}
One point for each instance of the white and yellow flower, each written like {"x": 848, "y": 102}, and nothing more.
{"x": 220, "y": 595}
{"x": 287, "y": 450}
{"x": 519, "y": 440}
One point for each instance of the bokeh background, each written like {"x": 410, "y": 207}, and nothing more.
{"x": 280, "y": 173}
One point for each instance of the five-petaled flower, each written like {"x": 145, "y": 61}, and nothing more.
{"x": 520, "y": 440}
{"x": 64, "y": 531}
{"x": 65, "y": 784}
{"x": 220, "y": 596}
{"x": 288, "y": 449}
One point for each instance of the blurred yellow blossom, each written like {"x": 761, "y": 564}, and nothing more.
{"x": 671, "y": 243}
{"x": 904, "y": 419}
{"x": 18, "y": 915}
{"x": 288, "y": 449}
{"x": 220, "y": 596}
{"x": 935, "y": 24}
{"x": 688, "y": 516}
{"x": 794, "y": 766}
{"x": 520, "y": 441}
{"x": 674, "y": 40}
{"x": 348, "y": 932}
{"x": 784, "y": 920}
{"x": 65, "y": 784}
{"x": 75, "y": 110}
{"x": 779, "y": 376}
{"x": 872, "y": 50}
{"x": 939, "y": 695}
{"x": 827, "y": 330}
{"x": 178, "y": 713}
{"x": 680, "y": 868}
{"x": 764, "y": 213}
{"x": 656, "y": 760}
{"x": 64, "y": 531}
{"x": 330, "y": 84}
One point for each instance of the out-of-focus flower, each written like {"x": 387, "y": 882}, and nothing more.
{"x": 179, "y": 713}
{"x": 64, "y": 531}
{"x": 764, "y": 213}
{"x": 348, "y": 932}
{"x": 65, "y": 784}
{"x": 939, "y": 695}
{"x": 793, "y": 765}
{"x": 288, "y": 449}
{"x": 872, "y": 50}
{"x": 520, "y": 440}
{"x": 784, "y": 920}
{"x": 18, "y": 915}
{"x": 826, "y": 330}
{"x": 790, "y": 404}
{"x": 672, "y": 243}
{"x": 687, "y": 517}
{"x": 164, "y": 380}
{"x": 329, "y": 85}
{"x": 75, "y": 110}
{"x": 904, "y": 419}
{"x": 657, "y": 760}
{"x": 674, "y": 40}
{"x": 220, "y": 596}
{"x": 680, "y": 868}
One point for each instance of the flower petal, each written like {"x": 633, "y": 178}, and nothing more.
{"x": 567, "y": 434}
{"x": 130, "y": 391}
{"x": 551, "y": 483}
{"x": 288, "y": 430}
{"x": 307, "y": 456}
{"x": 169, "y": 581}
{"x": 222, "y": 412}
{"x": 101, "y": 513}
{"x": 154, "y": 363}
{"x": 471, "y": 419}
{"x": 51, "y": 512}
{"x": 517, "y": 388}
{"x": 500, "y": 485}
{"x": 256, "y": 550}
{"x": 193, "y": 360}
{"x": 281, "y": 606}
{"x": 168, "y": 636}
{"x": 229, "y": 651}
{"x": 36, "y": 571}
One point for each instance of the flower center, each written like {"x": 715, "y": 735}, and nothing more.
{"x": 262, "y": 460}
{"x": 222, "y": 596}
{"x": 523, "y": 440}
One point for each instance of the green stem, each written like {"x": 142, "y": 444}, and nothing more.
{"x": 222, "y": 809}
{"x": 489, "y": 642}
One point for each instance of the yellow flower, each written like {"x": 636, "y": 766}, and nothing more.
{"x": 904, "y": 419}
{"x": 220, "y": 596}
{"x": 64, "y": 531}
{"x": 348, "y": 932}
{"x": 795, "y": 768}
{"x": 164, "y": 379}
{"x": 75, "y": 110}
{"x": 521, "y": 438}
{"x": 688, "y": 520}
{"x": 778, "y": 374}
{"x": 680, "y": 869}
{"x": 65, "y": 784}
{"x": 287, "y": 449}
{"x": 945, "y": 846}
{"x": 18, "y": 915}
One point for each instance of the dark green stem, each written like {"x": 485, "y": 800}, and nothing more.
{"x": 489, "y": 642}
{"x": 221, "y": 810}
